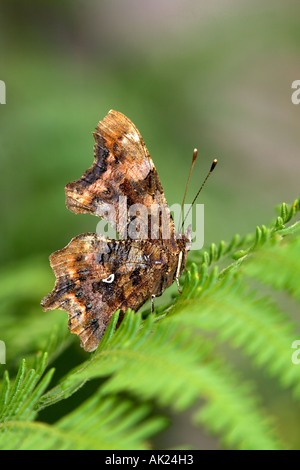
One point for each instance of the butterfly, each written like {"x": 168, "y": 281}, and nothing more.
{"x": 97, "y": 275}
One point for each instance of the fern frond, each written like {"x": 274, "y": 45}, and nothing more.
{"x": 235, "y": 314}
{"x": 177, "y": 370}
{"x": 18, "y": 400}
{"x": 225, "y": 305}
{"x": 99, "y": 423}
{"x": 239, "y": 247}
{"x": 278, "y": 265}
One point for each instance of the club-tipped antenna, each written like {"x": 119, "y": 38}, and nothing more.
{"x": 195, "y": 153}
{"x": 213, "y": 166}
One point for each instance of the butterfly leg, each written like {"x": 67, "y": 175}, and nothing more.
{"x": 152, "y": 303}
{"x": 178, "y": 272}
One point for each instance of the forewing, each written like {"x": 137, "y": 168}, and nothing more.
{"x": 122, "y": 168}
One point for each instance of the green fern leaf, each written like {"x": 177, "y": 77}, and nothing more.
{"x": 176, "y": 369}
{"x": 278, "y": 265}
{"x": 99, "y": 423}
{"x": 18, "y": 401}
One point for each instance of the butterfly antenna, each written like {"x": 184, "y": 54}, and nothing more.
{"x": 213, "y": 166}
{"x": 195, "y": 153}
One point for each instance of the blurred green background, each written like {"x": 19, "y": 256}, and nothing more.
{"x": 212, "y": 75}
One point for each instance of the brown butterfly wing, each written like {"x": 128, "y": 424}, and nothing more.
{"x": 95, "y": 276}
{"x": 122, "y": 168}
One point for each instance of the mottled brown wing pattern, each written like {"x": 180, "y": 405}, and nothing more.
{"x": 95, "y": 276}
{"x": 122, "y": 167}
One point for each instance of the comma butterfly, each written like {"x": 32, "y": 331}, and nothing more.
{"x": 96, "y": 275}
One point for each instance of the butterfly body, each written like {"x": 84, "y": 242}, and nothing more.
{"x": 95, "y": 275}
